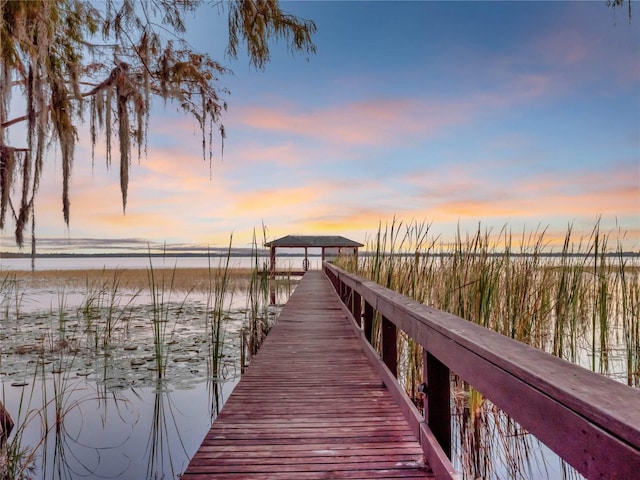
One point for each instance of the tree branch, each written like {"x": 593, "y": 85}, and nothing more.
{"x": 9, "y": 123}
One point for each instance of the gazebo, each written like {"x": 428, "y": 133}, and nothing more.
{"x": 334, "y": 243}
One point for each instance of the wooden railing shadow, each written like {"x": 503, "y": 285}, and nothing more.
{"x": 590, "y": 421}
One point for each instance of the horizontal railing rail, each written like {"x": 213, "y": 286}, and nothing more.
{"x": 590, "y": 421}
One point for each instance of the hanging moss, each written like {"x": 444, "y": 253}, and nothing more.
{"x": 60, "y": 53}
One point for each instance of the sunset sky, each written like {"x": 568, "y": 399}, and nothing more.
{"x": 524, "y": 114}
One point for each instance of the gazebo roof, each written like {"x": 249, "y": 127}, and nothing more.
{"x": 318, "y": 241}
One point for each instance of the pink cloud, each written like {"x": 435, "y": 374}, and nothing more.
{"x": 379, "y": 122}
{"x": 456, "y": 192}
{"x": 286, "y": 154}
{"x": 565, "y": 46}
{"x": 578, "y": 50}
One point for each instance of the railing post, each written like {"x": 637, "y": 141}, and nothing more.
{"x": 346, "y": 292}
{"x": 368, "y": 321}
{"x": 356, "y": 307}
{"x": 437, "y": 401}
{"x": 389, "y": 349}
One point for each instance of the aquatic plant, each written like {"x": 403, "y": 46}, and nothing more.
{"x": 101, "y": 327}
{"x": 105, "y": 305}
{"x": 261, "y": 288}
{"x": 219, "y": 299}
{"x": 11, "y": 296}
{"x": 161, "y": 292}
{"x": 525, "y": 290}
{"x": 581, "y": 303}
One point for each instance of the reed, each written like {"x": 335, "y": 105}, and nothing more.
{"x": 219, "y": 299}
{"x": 581, "y": 303}
{"x": 11, "y": 295}
{"x": 104, "y": 306}
{"x": 161, "y": 290}
{"x": 629, "y": 312}
{"x": 79, "y": 334}
{"x": 518, "y": 285}
{"x": 258, "y": 293}
{"x": 136, "y": 279}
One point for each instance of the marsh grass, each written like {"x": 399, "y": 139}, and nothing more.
{"x": 257, "y": 301}
{"x": 262, "y": 296}
{"x": 580, "y": 303}
{"x": 219, "y": 300}
{"x": 161, "y": 290}
{"x": 194, "y": 279}
{"x": 568, "y": 303}
{"x": 106, "y": 306}
{"x": 11, "y": 296}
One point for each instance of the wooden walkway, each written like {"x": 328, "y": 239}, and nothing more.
{"x": 310, "y": 405}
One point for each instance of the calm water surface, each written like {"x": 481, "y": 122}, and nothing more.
{"x": 94, "y": 262}
{"x": 96, "y": 372}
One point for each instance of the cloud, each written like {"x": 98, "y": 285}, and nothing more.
{"x": 285, "y": 154}
{"x": 376, "y": 122}
{"x": 384, "y": 122}
{"x": 470, "y": 192}
{"x": 578, "y": 52}
{"x": 284, "y": 201}
{"x": 565, "y": 46}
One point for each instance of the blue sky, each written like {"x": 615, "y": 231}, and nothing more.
{"x": 517, "y": 114}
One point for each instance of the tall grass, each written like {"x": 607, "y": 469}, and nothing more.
{"x": 219, "y": 299}
{"x": 580, "y": 302}
{"x": 569, "y": 302}
{"x": 11, "y": 296}
{"x": 260, "y": 288}
{"x": 103, "y": 309}
{"x": 160, "y": 292}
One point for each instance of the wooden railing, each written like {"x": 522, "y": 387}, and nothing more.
{"x": 590, "y": 421}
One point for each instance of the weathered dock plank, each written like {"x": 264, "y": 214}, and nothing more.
{"x": 310, "y": 406}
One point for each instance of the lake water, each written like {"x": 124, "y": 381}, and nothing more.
{"x": 142, "y": 262}
{"x": 79, "y": 372}
{"x": 118, "y": 419}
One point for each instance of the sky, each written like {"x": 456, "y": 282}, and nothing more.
{"x": 516, "y": 115}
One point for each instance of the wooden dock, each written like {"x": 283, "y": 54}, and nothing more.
{"x": 310, "y": 405}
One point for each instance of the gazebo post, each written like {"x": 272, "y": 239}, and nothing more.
{"x": 272, "y": 267}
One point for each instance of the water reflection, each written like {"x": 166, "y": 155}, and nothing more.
{"x": 488, "y": 444}
{"x": 164, "y": 435}
{"x": 86, "y": 431}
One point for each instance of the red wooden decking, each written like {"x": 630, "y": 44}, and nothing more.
{"x": 310, "y": 406}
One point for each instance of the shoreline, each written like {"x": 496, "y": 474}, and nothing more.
{"x": 171, "y": 278}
